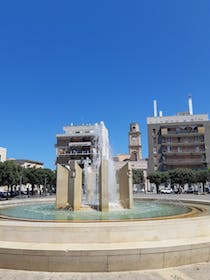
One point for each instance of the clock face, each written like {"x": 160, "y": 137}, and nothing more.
{"x": 133, "y": 138}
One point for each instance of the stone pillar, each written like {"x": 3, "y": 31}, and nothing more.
{"x": 62, "y": 190}
{"x": 103, "y": 186}
{"x": 125, "y": 186}
{"x": 89, "y": 184}
{"x": 75, "y": 186}
{"x": 69, "y": 186}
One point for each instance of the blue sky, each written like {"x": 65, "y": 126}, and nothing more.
{"x": 86, "y": 61}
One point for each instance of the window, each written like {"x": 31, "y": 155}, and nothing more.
{"x": 201, "y": 129}
{"x": 197, "y": 148}
{"x": 164, "y": 131}
{"x": 134, "y": 156}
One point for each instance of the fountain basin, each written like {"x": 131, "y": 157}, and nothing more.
{"x": 105, "y": 246}
{"x": 141, "y": 210}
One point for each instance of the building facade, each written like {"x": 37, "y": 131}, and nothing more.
{"x": 3, "y": 154}
{"x": 121, "y": 157}
{"x": 135, "y": 154}
{"x": 76, "y": 143}
{"x": 82, "y": 143}
{"x": 27, "y": 163}
{"x": 181, "y": 141}
{"x": 135, "y": 149}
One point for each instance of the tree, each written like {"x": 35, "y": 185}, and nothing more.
{"x": 164, "y": 178}
{"x": 181, "y": 176}
{"x": 45, "y": 177}
{"x": 10, "y": 175}
{"x": 202, "y": 176}
{"x": 30, "y": 176}
{"x": 138, "y": 176}
{"x": 155, "y": 178}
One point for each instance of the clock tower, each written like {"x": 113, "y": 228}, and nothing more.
{"x": 135, "y": 149}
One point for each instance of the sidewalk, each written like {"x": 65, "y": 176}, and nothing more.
{"x": 174, "y": 196}
{"x": 189, "y": 272}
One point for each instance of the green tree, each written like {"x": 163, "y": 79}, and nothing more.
{"x": 155, "y": 178}
{"x": 138, "y": 176}
{"x": 202, "y": 176}
{"x": 45, "y": 177}
{"x": 10, "y": 175}
{"x": 181, "y": 176}
{"x": 164, "y": 178}
{"x": 30, "y": 177}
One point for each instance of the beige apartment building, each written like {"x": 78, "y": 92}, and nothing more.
{"x": 180, "y": 141}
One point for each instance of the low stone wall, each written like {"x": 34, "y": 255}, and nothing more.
{"x": 104, "y": 232}
{"x": 104, "y": 246}
{"x": 47, "y": 257}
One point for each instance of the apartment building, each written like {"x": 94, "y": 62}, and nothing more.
{"x": 180, "y": 141}
{"x": 82, "y": 143}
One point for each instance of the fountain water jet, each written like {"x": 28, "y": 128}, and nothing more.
{"x": 100, "y": 189}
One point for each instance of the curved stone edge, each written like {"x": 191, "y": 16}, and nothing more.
{"x": 145, "y": 255}
{"x": 110, "y": 260}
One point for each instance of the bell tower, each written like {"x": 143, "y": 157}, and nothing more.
{"x": 135, "y": 148}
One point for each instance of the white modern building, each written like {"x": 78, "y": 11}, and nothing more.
{"x": 3, "y": 154}
{"x": 27, "y": 163}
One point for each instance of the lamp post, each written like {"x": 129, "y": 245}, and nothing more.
{"x": 20, "y": 186}
{"x": 45, "y": 180}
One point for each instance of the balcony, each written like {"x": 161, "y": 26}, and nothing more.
{"x": 80, "y": 144}
{"x": 182, "y": 133}
{"x": 82, "y": 153}
{"x": 185, "y": 161}
{"x": 193, "y": 143}
{"x": 182, "y": 153}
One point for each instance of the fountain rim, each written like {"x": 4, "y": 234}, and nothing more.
{"x": 105, "y": 246}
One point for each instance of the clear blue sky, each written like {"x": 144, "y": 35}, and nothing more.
{"x": 86, "y": 61}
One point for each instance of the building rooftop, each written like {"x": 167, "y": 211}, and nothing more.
{"x": 22, "y": 161}
{"x": 78, "y": 130}
{"x": 177, "y": 119}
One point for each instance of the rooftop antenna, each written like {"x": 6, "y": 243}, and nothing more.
{"x": 155, "y": 107}
{"x": 190, "y": 105}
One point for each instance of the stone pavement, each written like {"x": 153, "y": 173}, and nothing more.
{"x": 188, "y": 272}
{"x": 178, "y": 197}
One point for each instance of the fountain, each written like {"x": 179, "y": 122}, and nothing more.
{"x": 98, "y": 179}
{"x": 82, "y": 232}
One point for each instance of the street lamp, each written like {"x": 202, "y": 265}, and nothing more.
{"x": 20, "y": 186}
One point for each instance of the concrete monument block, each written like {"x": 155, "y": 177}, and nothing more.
{"x": 75, "y": 186}
{"x": 103, "y": 186}
{"x": 69, "y": 186}
{"x": 62, "y": 190}
{"x": 89, "y": 184}
{"x": 125, "y": 186}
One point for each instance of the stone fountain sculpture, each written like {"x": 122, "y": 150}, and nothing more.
{"x": 102, "y": 186}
